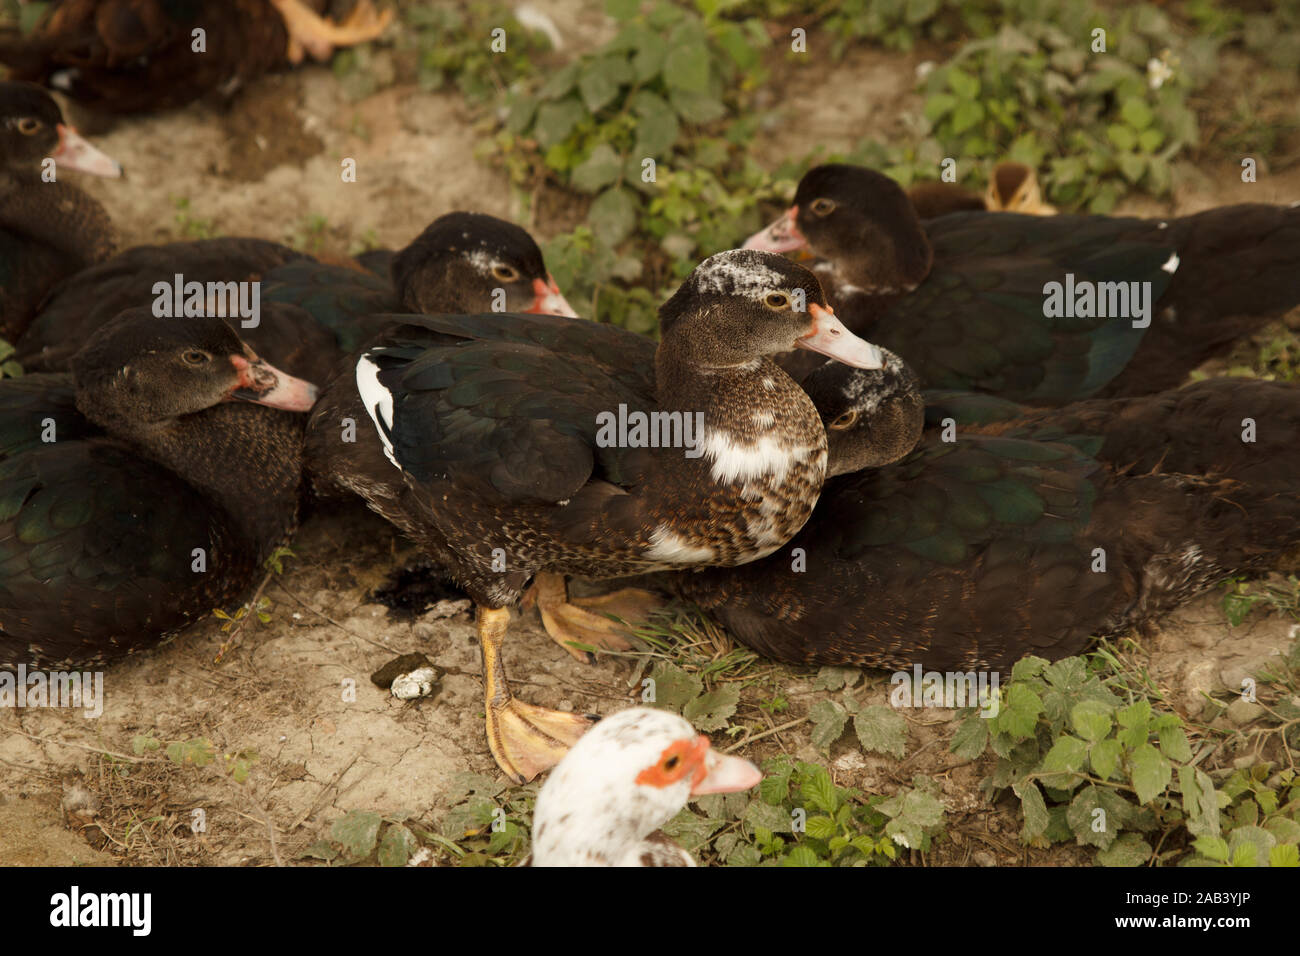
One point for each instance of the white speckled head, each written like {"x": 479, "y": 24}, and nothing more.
{"x": 626, "y": 777}
{"x": 741, "y": 272}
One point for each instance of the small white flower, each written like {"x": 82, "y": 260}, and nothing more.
{"x": 1158, "y": 70}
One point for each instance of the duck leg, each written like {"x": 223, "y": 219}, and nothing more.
{"x": 585, "y": 620}
{"x": 525, "y": 739}
{"x": 319, "y": 35}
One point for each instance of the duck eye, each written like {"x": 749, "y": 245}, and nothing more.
{"x": 195, "y": 357}
{"x": 672, "y": 762}
{"x": 846, "y": 420}
{"x": 504, "y": 272}
{"x": 776, "y": 300}
{"x": 822, "y": 207}
{"x": 28, "y": 125}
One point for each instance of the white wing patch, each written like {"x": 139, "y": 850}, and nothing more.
{"x": 1171, "y": 264}
{"x": 670, "y": 547}
{"x": 378, "y": 402}
{"x": 735, "y": 461}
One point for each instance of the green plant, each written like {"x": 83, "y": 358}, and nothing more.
{"x": 1113, "y": 772}
{"x": 192, "y": 227}
{"x": 646, "y": 126}
{"x": 799, "y": 817}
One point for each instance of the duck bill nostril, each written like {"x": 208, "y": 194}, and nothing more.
{"x": 264, "y": 384}
{"x": 783, "y": 235}
{"x": 547, "y": 299}
{"x": 75, "y": 153}
{"x": 829, "y": 337}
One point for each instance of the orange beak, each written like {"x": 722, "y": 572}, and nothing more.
{"x": 547, "y": 299}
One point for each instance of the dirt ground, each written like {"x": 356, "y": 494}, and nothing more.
{"x": 73, "y": 791}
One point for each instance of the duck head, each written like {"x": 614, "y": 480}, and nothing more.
{"x": 1013, "y": 187}
{"x": 740, "y": 305}
{"x": 622, "y": 781}
{"x": 142, "y": 370}
{"x": 32, "y": 129}
{"x": 858, "y": 220}
{"x": 872, "y": 416}
{"x": 462, "y": 258}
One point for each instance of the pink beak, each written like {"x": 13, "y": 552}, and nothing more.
{"x": 547, "y": 299}
{"x": 832, "y": 339}
{"x": 77, "y": 154}
{"x": 724, "y": 774}
{"x": 264, "y": 384}
{"x": 783, "y": 235}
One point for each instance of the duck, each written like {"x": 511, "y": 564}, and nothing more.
{"x": 48, "y": 230}
{"x": 1023, "y": 535}
{"x": 131, "y": 56}
{"x": 141, "y": 490}
{"x": 635, "y": 770}
{"x": 503, "y": 459}
{"x": 966, "y": 298}
{"x": 1013, "y": 187}
{"x": 456, "y": 264}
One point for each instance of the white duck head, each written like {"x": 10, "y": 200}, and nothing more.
{"x": 627, "y": 777}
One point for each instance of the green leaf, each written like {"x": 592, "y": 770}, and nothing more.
{"x": 1150, "y": 773}
{"x": 829, "y": 719}
{"x": 357, "y": 831}
{"x": 710, "y": 712}
{"x": 965, "y": 86}
{"x": 881, "y": 729}
{"x": 1174, "y": 745}
{"x": 1212, "y": 847}
{"x": 1129, "y": 850}
{"x": 673, "y": 687}
{"x": 1091, "y": 827}
{"x": 939, "y": 105}
{"x": 759, "y": 814}
{"x": 555, "y": 121}
{"x": 820, "y": 827}
{"x": 1104, "y": 757}
{"x": 1137, "y": 714}
{"x": 613, "y": 215}
{"x": 1150, "y": 139}
{"x": 965, "y": 115}
{"x": 697, "y": 107}
{"x": 1019, "y": 716}
{"x": 559, "y": 83}
{"x": 1066, "y": 756}
{"x": 802, "y": 856}
{"x": 1034, "y": 809}
{"x": 818, "y": 790}
{"x": 396, "y": 847}
{"x": 596, "y": 84}
{"x": 622, "y": 9}
{"x": 687, "y": 67}
{"x": 598, "y": 170}
{"x": 1136, "y": 113}
{"x": 914, "y": 814}
{"x": 1132, "y": 166}
{"x": 1124, "y": 137}
{"x": 651, "y": 54}
{"x": 971, "y": 738}
{"x": 1090, "y": 719}
{"x": 1284, "y": 855}
{"x": 656, "y": 128}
